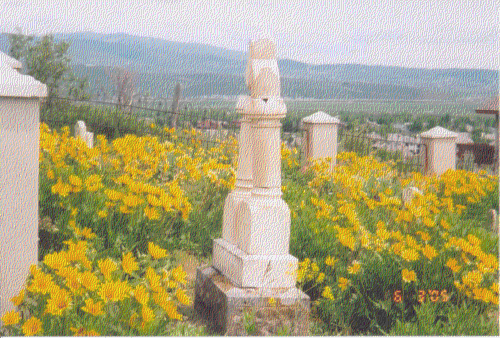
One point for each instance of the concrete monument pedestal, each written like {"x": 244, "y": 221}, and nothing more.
{"x": 223, "y": 304}
{"x": 245, "y": 270}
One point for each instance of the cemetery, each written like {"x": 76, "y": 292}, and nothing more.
{"x": 334, "y": 243}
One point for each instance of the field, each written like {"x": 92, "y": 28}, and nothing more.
{"x": 120, "y": 221}
{"x": 354, "y": 106}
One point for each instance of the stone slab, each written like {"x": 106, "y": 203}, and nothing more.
{"x": 223, "y": 304}
{"x": 253, "y": 270}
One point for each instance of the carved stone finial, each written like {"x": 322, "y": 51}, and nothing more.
{"x": 262, "y": 49}
{"x": 262, "y": 72}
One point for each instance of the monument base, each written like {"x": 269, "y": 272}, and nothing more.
{"x": 254, "y": 271}
{"x": 273, "y": 310}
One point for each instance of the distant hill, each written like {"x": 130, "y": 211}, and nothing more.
{"x": 206, "y": 70}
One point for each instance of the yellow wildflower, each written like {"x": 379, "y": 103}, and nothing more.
{"x": 354, "y": 268}
{"x": 472, "y": 279}
{"x": 55, "y": 260}
{"x": 409, "y": 254}
{"x": 85, "y": 232}
{"x": 409, "y": 276}
{"x": 344, "y": 283}
{"x": 153, "y": 279}
{"x": 18, "y": 300}
{"x": 428, "y": 222}
{"x": 114, "y": 291}
{"x": 182, "y": 297}
{"x": 50, "y": 174}
{"x": 131, "y": 200}
{"x": 113, "y": 194}
{"x": 153, "y": 200}
{"x": 424, "y": 235}
{"x": 95, "y": 309}
{"x": 445, "y": 224}
{"x": 141, "y": 294}
{"x": 134, "y": 319}
{"x": 93, "y": 183}
{"x": 147, "y": 314}
{"x": 102, "y": 213}
{"x": 330, "y": 261}
{"x": 171, "y": 310}
{"x": 129, "y": 263}
{"x": 320, "y": 278}
{"x": 327, "y": 293}
{"x": 151, "y": 213}
{"x": 345, "y": 237}
{"x": 429, "y": 252}
{"x": 179, "y": 274}
{"x": 11, "y": 318}
{"x": 107, "y": 266}
{"x": 473, "y": 240}
{"x": 41, "y": 283}
{"x": 89, "y": 281}
{"x": 32, "y": 326}
{"x": 452, "y": 263}
{"x": 156, "y": 252}
{"x": 59, "y": 301}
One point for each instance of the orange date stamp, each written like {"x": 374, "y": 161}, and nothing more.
{"x": 424, "y": 295}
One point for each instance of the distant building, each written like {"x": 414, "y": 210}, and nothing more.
{"x": 210, "y": 124}
{"x": 464, "y": 138}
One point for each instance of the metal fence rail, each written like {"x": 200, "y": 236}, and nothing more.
{"x": 408, "y": 154}
{"x": 215, "y": 126}
{"x": 115, "y": 120}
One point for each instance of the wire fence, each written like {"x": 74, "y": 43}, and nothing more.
{"x": 407, "y": 153}
{"x": 114, "y": 120}
{"x": 215, "y": 126}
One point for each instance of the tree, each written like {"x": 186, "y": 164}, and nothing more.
{"x": 175, "y": 103}
{"x": 431, "y": 122}
{"x": 18, "y": 44}
{"x": 416, "y": 126}
{"x": 444, "y": 120}
{"x": 124, "y": 82}
{"x": 48, "y": 62}
{"x": 477, "y": 136}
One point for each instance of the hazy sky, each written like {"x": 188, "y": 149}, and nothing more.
{"x": 426, "y": 33}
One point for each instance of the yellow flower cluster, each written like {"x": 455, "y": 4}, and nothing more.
{"x": 416, "y": 231}
{"x": 132, "y": 171}
{"x": 309, "y": 272}
{"x": 69, "y": 280}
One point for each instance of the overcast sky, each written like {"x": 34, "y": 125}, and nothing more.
{"x": 423, "y": 34}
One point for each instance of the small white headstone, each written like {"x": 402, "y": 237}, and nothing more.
{"x": 80, "y": 129}
{"x": 89, "y": 139}
{"x": 409, "y": 194}
{"x": 81, "y": 132}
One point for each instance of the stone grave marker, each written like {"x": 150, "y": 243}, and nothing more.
{"x": 251, "y": 262}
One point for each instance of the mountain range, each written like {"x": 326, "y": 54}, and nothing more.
{"x": 206, "y": 70}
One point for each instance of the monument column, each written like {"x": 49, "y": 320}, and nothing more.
{"x": 251, "y": 262}
{"x": 243, "y": 184}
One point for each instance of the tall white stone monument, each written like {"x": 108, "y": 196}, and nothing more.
{"x": 252, "y": 257}
{"x": 256, "y": 233}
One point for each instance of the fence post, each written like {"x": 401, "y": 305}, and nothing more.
{"x": 175, "y": 102}
{"x": 320, "y": 136}
{"x": 19, "y": 150}
{"x": 441, "y": 150}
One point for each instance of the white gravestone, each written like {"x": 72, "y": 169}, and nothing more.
{"x": 81, "y": 132}
{"x": 254, "y": 250}
{"x": 19, "y": 150}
